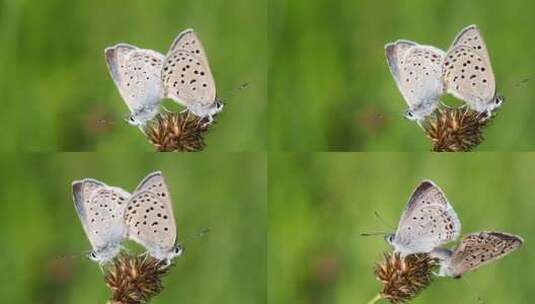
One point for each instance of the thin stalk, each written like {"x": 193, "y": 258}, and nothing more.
{"x": 376, "y": 299}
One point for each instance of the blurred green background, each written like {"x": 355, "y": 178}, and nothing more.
{"x": 43, "y": 241}
{"x": 319, "y": 204}
{"x": 57, "y": 77}
{"x": 330, "y": 88}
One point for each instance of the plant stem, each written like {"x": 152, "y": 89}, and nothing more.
{"x": 376, "y": 299}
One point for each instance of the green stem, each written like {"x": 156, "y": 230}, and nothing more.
{"x": 376, "y": 299}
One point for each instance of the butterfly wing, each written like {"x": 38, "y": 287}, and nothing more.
{"x": 478, "y": 249}
{"x": 428, "y": 221}
{"x": 149, "y": 215}
{"x": 100, "y": 210}
{"x": 471, "y": 37}
{"x": 187, "y": 40}
{"x": 418, "y": 74}
{"x": 395, "y": 53}
{"x": 137, "y": 75}
{"x": 186, "y": 73}
{"x": 467, "y": 70}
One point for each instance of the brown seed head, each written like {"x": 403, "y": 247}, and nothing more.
{"x": 455, "y": 129}
{"x": 173, "y": 131}
{"x": 404, "y": 277}
{"x": 134, "y": 279}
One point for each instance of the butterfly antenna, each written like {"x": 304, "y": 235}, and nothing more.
{"x": 104, "y": 122}
{"x": 69, "y": 256}
{"x": 203, "y": 232}
{"x": 234, "y": 91}
{"x": 374, "y": 234}
{"x": 524, "y": 81}
{"x": 381, "y": 219}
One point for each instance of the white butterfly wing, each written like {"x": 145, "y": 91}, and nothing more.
{"x": 100, "y": 210}
{"x": 467, "y": 70}
{"x": 137, "y": 75}
{"x": 428, "y": 221}
{"x": 186, "y": 73}
{"x": 149, "y": 215}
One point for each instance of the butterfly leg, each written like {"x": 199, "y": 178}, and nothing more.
{"x": 445, "y": 105}
{"x": 486, "y": 115}
{"x": 489, "y": 114}
{"x": 125, "y": 249}
{"x": 144, "y": 254}
{"x": 209, "y": 122}
{"x": 166, "y": 263}
{"x": 165, "y": 109}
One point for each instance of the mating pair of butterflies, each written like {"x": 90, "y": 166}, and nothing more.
{"x": 109, "y": 215}
{"x": 424, "y": 73}
{"x": 429, "y": 221}
{"x": 144, "y": 77}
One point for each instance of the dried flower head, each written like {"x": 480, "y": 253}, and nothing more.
{"x": 455, "y": 129}
{"x": 173, "y": 131}
{"x": 404, "y": 277}
{"x": 134, "y": 279}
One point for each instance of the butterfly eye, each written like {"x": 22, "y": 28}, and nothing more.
{"x": 409, "y": 115}
{"x": 92, "y": 256}
{"x": 178, "y": 250}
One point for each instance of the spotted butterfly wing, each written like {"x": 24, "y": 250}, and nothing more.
{"x": 186, "y": 73}
{"x": 100, "y": 209}
{"x": 478, "y": 249}
{"x": 417, "y": 70}
{"x": 189, "y": 41}
{"x": 137, "y": 75}
{"x": 149, "y": 216}
{"x": 468, "y": 73}
{"x": 395, "y": 53}
{"x": 428, "y": 221}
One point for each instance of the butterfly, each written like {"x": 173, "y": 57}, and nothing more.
{"x": 187, "y": 78}
{"x": 150, "y": 220}
{"x": 137, "y": 75}
{"x": 476, "y": 250}
{"x": 427, "y": 222}
{"x": 417, "y": 71}
{"x": 468, "y": 74}
{"x": 100, "y": 209}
